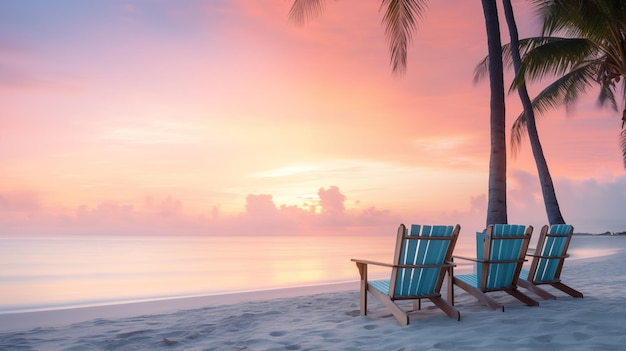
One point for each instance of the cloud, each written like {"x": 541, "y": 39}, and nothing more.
{"x": 594, "y": 206}
{"x": 19, "y": 201}
{"x": 332, "y": 201}
{"x": 590, "y": 205}
{"x": 24, "y": 213}
{"x": 325, "y": 214}
{"x": 168, "y": 207}
{"x": 260, "y": 206}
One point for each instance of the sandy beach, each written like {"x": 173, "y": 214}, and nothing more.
{"x": 327, "y": 318}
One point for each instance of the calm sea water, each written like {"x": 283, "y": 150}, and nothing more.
{"x": 46, "y": 273}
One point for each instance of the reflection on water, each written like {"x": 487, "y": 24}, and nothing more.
{"x": 588, "y": 246}
{"x": 48, "y": 272}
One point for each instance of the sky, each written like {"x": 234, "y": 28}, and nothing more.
{"x": 222, "y": 117}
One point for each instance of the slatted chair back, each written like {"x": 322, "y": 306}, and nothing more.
{"x": 551, "y": 250}
{"x": 502, "y": 247}
{"x": 427, "y": 246}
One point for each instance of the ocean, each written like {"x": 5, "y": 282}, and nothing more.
{"x": 43, "y": 273}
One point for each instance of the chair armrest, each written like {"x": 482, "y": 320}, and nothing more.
{"x": 487, "y": 261}
{"x": 446, "y": 264}
{"x": 443, "y": 265}
{"x": 372, "y": 262}
{"x": 468, "y": 258}
{"x": 506, "y": 261}
{"x": 543, "y": 256}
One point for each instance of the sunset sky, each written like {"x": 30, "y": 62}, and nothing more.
{"x": 222, "y": 116}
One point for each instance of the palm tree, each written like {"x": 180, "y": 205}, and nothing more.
{"x": 549, "y": 196}
{"x": 591, "y": 52}
{"x": 400, "y": 24}
{"x": 496, "y": 205}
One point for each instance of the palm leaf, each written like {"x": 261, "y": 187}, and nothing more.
{"x": 518, "y": 130}
{"x": 622, "y": 141}
{"x": 481, "y": 71}
{"x": 564, "y": 90}
{"x": 606, "y": 95}
{"x": 304, "y": 10}
{"x": 525, "y": 45}
{"x": 556, "y": 57}
{"x": 400, "y": 23}
{"x": 578, "y": 18}
{"x": 598, "y": 54}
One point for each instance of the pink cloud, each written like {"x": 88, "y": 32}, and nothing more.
{"x": 332, "y": 201}
{"x": 260, "y": 205}
{"x": 23, "y": 213}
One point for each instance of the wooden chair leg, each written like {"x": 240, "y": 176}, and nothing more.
{"x": 568, "y": 290}
{"x": 397, "y": 312}
{"x": 522, "y": 297}
{"x": 535, "y": 289}
{"x": 446, "y": 307}
{"x": 451, "y": 287}
{"x": 364, "y": 286}
{"x": 481, "y": 296}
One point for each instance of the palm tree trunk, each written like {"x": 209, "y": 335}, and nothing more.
{"x": 547, "y": 187}
{"x": 496, "y": 205}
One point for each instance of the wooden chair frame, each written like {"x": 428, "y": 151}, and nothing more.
{"x": 481, "y": 288}
{"x": 542, "y": 255}
{"x": 389, "y": 298}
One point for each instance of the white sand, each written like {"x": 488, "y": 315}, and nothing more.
{"x": 331, "y": 321}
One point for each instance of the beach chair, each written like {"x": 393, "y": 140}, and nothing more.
{"x": 547, "y": 262}
{"x": 420, "y": 263}
{"x": 500, "y": 252}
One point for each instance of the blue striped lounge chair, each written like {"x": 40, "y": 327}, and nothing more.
{"x": 547, "y": 262}
{"x": 500, "y": 252}
{"x": 421, "y": 261}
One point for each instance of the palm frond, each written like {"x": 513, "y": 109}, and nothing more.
{"x": 622, "y": 142}
{"x": 304, "y": 10}
{"x": 482, "y": 68}
{"x": 553, "y": 16}
{"x": 596, "y": 19}
{"x": 518, "y": 130}
{"x": 481, "y": 71}
{"x": 596, "y": 56}
{"x": 563, "y": 91}
{"x": 555, "y": 57}
{"x": 526, "y": 46}
{"x": 622, "y": 92}
{"x": 572, "y": 18}
{"x": 606, "y": 95}
{"x": 400, "y": 21}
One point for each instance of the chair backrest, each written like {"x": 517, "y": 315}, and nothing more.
{"x": 550, "y": 253}
{"x": 428, "y": 246}
{"x": 503, "y": 248}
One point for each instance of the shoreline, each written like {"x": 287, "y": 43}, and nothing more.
{"x": 71, "y": 294}
{"x": 218, "y": 295}
{"x": 14, "y": 321}
{"x": 594, "y": 250}
{"x": 320, "y": 320}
